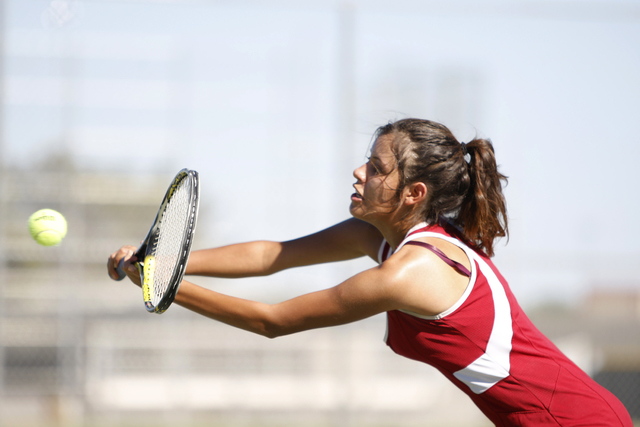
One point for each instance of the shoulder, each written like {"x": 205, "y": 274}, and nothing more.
{"x": 415, "y": 263}
{"x": 419, "y": 281}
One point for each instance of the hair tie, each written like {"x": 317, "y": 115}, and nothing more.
{"x": 465, "y": 153}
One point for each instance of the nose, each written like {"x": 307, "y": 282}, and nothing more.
{"x": 359, "y": 173}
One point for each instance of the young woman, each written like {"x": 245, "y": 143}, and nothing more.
{"x": 427, "y": 208}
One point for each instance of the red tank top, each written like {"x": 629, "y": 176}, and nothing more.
{"x": 488, "y": 347}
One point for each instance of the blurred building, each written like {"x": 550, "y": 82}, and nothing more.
{"x": 49, "y": 296}
{"x": 603, "y": 336}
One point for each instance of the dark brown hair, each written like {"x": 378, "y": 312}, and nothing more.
{"x": 463, "y": 181}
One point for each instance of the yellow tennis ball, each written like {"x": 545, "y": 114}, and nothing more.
{"x": 47, "y": 227}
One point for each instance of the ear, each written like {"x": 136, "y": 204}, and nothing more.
{"x": 415, "y": 193}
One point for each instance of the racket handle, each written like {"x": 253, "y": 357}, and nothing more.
{"x": 120, "y": 270}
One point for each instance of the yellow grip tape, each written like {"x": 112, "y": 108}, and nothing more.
{"x": 148, "y": 270}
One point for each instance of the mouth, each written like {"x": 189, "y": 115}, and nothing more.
{"x": 357, "y": 196}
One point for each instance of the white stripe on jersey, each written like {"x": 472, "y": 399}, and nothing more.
{"x": 494, "y": 364}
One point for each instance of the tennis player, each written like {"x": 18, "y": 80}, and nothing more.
{"x": 429, "y": 209}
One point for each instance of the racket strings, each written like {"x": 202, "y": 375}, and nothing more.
{"x": 173, "y": 225}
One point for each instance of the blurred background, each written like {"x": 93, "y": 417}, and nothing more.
{"x": 274, "y": 103}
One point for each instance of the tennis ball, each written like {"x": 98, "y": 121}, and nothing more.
{"x": 47, "y": 227}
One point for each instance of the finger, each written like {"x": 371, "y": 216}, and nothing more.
{"x": 125, "y": 264}
{"x": 115, "y": 261}
{"x": 111, "y": 266}
{"x": 130, "y": 268}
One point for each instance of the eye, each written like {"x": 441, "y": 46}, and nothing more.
{"x": 372, "y": 167}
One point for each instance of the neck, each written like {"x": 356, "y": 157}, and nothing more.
{"x": 394, "y": 234}
{"x": 395, "y": 226}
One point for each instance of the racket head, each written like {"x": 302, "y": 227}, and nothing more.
{"x": 168, "y": 243}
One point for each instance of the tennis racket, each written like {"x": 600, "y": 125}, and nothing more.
{"x": 166, "y": 248}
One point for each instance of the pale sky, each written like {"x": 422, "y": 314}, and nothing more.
{"x": 274, "y": 104}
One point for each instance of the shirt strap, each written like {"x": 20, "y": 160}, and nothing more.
{"x": 461, "y": 268}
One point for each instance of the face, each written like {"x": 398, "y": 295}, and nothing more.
{"x": 376, "y": 183}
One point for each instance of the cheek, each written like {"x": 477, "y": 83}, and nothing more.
{"x": 377, "y": 192}
{"x": 371, "y": 191}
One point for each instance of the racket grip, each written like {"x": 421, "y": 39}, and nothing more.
{"x": 120, "y": 270}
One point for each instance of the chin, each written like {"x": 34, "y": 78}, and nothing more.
{"x": 358, "y": 214}
{"x": 355, "y": 212}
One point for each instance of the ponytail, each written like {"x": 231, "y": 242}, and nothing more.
{"x": 463, "y": 181}
{"x": 483, "y": 213}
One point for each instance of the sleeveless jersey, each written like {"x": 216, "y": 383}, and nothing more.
{"x": 488, "y": 347}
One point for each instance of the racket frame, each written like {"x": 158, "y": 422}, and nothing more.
{"x": 145, "y": 248}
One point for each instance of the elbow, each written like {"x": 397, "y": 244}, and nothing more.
{"x": 270, "y": 335}
{"x": 272, "y": 258}
{"x": 274, "y": 327}
{"x": 273, "y": 323}
{"x": 272, "y": 330}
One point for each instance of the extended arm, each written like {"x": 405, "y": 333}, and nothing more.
{"x": 412, "y": 280}
{"x": 359, "y": 297}
{"x": 347, "y": 240}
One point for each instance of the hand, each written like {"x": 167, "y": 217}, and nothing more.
{"x": 126, "y": 255}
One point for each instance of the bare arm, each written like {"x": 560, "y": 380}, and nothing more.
{"x": 350, "y": 301}
{"x": 347, "y": 240}
{"x": 361, "y": 296}
{"x": 411, "y": 279}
